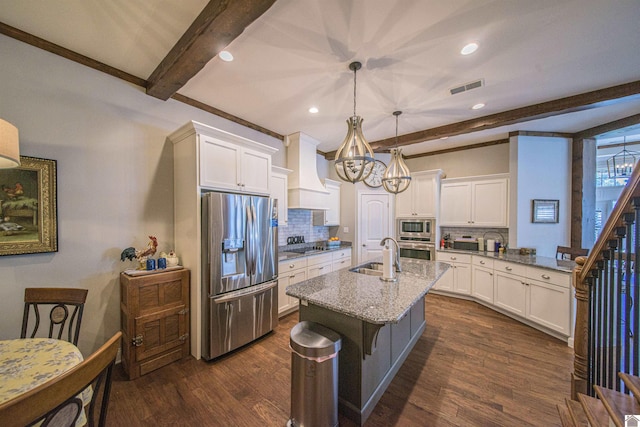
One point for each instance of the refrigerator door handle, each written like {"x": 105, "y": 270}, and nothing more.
{"x": 252, "y": 290}
{"x": 248, "y": 239}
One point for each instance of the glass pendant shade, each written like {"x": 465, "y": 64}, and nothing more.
{"x": 396, "y": 178}
{"x": 354, "y": 154}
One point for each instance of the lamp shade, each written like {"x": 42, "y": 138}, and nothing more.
{"x": 9, "y": 147}
{"x": 396, "y": 178}
{"x": 354, "y": 154}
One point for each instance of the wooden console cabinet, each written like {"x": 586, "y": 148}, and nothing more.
{"x": 154, "y": 314}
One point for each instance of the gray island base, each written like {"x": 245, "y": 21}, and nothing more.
{"x": 379, "y": 322}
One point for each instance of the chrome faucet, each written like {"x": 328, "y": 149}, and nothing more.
{"x": 396, "y": 263}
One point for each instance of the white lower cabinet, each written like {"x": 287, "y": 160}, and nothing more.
{"x": 510, "y": 293}
{"x": 317, "y": 265}
{"x": 541, "y": 296}
{"x": 300, "y": 269}
{"x": 549, "y": 299}
{"x": 290, "y": 273}
{"x": 482, "y": 279}
{"x": 341, "y": 259}
{"x": 458, "y": 278}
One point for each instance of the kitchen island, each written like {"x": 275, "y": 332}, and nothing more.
{"x": 379, "y": 322}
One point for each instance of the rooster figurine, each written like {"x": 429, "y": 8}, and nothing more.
{"x": 131, "y": 253}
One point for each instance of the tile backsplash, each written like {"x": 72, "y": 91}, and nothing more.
{"x": 301, "y": 224}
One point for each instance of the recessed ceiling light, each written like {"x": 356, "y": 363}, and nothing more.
{"x": 226, "y": 56}
{"x": 478, "y": 106}
{"x": 469, "y": 49}
{"x": 313, "y": 110}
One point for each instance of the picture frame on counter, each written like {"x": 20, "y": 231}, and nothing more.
{"x": 544, "y": 211}
{"x": 28, "y": 207}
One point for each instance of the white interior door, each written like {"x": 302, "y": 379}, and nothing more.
{"x": 373, "y": 224}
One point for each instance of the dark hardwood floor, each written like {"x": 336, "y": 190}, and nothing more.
{"x": 472, "y": 367}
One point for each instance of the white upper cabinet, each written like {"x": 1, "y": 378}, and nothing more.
{"x": 331, "y": 216}
{"x": 421, "y": 198}
{"x": 229, "y": 166}
{"x": 479, "y": 202}
{"x": 279, "y": 183}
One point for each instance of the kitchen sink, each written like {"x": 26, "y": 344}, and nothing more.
{"x": 371, "y": 269}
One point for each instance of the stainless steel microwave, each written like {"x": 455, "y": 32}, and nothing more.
{"x": 416, "y": 229}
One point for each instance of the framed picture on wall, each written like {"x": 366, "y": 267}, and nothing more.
{"x": 544, "y": 211}
{"x": 28, "y": 207}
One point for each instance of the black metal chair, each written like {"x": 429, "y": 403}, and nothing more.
{"x": 57, "y": 402}
{"x": 64, "y": 307}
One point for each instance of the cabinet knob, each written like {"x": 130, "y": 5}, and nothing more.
{"x": 482, "y": 262}
{"x": 291, "y": 265}
{"x": 364, "y": 245}
{"x": 453, "y": 258}
{"x": 508, "y": 268}
{"x": 544, "y": 276}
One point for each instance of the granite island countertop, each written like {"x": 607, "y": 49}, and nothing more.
{"x": 549, "y": 263}
{"x": 367, "y": 297}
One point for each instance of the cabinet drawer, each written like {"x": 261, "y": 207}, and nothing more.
{"x": 341, "y": 263}
{"x": 481, "y": 261}
{"x": 319, "y": 259}
{"x": 510, "y": 267}
{"x": 342, "y": 253}
{"x": 453, "y": 257}
{"x": 293, "y": 264}
{"x": 549, "y": 276}
{"x": 318, "y": 270}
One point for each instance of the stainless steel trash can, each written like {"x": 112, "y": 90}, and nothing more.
{"x": 314, "y": 375}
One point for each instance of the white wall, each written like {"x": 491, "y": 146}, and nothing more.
{"x": 115, "y": 177}
{"x": 540, "y": 169}
{"x": 474, "y": 162}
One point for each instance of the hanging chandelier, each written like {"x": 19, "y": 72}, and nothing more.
{"x": 397, "y": 177}
{"x": 355, "y": 153}
{"x": 621, "y": 165}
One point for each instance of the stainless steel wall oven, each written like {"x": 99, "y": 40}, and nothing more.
{"x": 414, "y": 238}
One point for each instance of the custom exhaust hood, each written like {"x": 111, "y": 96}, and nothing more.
{"x": 305, "y": 189}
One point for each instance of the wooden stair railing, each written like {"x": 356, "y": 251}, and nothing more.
{"x": 608, "y": 301}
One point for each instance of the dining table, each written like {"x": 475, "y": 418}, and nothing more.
{"x": 26, "y": 363}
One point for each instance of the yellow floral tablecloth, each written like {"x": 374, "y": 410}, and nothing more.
{"x": 27, "y": 363}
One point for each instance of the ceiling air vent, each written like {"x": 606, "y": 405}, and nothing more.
{"x": 467, "y": 86}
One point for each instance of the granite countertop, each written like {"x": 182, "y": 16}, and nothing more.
{"x": 531, "y": 260}
{"x": 367, "y": 297}
{"x": 284, "y": 255}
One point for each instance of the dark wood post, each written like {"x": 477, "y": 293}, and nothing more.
{"x": 580, "y": 336}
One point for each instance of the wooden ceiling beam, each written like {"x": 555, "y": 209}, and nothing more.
{"x": 219, "y": 23}
{"x": 209, "y": 109}
{"x": 571, "y": 104}
{"x": 608, "y": 127}
{"x": 43, "y": 44}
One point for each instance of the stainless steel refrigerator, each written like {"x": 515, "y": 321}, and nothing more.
{"x": 240, "y": 270}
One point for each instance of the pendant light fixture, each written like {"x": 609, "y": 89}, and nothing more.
{"x": 621, "y": 165}
{"x": 396, "y": 178}
{"x": 355, "y": 153}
